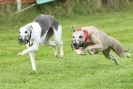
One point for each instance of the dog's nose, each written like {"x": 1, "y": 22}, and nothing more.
{"x": 20, "y": 38}
{"x": 74, "y": 42}
{"x": 80, "y": 43}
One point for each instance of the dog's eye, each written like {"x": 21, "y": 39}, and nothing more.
{"x": 26, "y": 31}
{"x": 73, "y": 37}
{"x": 80, "y": 37}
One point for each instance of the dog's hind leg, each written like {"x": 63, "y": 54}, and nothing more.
{"x": 58, "y": 40}
{"x": 52, "y": 44}
{"x": 46, "y": 40}
{"x": 119, "y": 49}
{"x": 108, "y": 55}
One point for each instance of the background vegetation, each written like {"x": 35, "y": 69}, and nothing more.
{"x": 64, "y": 8}
{"x": 67, "y": 7}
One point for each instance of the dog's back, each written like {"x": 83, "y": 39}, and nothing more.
{"x": 103, "y": 37}
{"x": 46, "y": 22}
{"x": 107, "y": 41}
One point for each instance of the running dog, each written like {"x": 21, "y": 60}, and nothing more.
{"x": 40, "y": 31}
{"x": 90, "y": 39}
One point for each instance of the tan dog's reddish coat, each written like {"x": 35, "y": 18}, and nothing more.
{"x": 97, "y": 41}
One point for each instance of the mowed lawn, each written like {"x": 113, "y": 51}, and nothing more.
{"x": 75, "y": 71}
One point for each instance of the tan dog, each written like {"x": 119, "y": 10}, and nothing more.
{"x": 93, "y": 40}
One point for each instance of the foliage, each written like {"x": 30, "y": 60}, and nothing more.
{"x": 70, "y": 7}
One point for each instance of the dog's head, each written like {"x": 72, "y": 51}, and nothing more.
{"x": 78, "y": 38}
{"x": 25, "y": 34}
{"x": 78, "y": 41}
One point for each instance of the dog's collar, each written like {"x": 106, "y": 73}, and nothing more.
{"x": 28, "y": 40}
{"x": 30, "y": 43}
{"x": 87, "y": 36}
{"x": 29, "y": 37}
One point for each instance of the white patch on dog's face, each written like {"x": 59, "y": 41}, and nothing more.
{"x": 78, "y": 36}
{"x": 24, "y": 34}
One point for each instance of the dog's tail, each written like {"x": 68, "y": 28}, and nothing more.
{"x": 118, "y": 48}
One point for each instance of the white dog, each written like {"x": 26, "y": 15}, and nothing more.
{"x": 39, "y": 31}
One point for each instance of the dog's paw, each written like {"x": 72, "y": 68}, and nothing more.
{"x": 20, "y": 54}
{"x": 83, "y": 53}
{"x": 91, "y": 52}
{"x": 128, "y": 55}
{"x": 80, "y": 52}
{"x": 57, "y": 56}
{"x": 62, "y": 56}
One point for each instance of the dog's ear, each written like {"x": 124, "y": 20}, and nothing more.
{"x": 84, "y": 31}
{"x": 29, "y": 27}
{"x": 73, "y": 28}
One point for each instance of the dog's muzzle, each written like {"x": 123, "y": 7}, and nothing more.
{"x": 23, "y": 41}
{"x": 75, "y": 45}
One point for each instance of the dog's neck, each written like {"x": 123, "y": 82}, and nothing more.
{"x": 87, "y": 36}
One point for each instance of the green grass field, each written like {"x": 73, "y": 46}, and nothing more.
{"x": 75, "y": 71}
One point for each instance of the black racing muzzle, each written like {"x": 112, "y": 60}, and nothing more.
{"x": 76, "y": 45}
{"x": 25, "y": 40}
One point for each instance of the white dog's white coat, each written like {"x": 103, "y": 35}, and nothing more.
{"x": 37, "y": 39}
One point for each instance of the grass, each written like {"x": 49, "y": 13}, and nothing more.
{"x": 74, "y": 72}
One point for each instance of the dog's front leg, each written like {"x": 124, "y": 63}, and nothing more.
{"x": 33, "y": 48}
{"x": 96, "y": 47}
{"x": 32, "y": 58}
